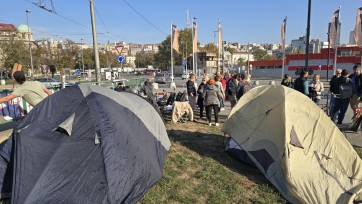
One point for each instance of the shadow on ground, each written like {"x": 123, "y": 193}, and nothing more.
{"x": 211, "y": 145}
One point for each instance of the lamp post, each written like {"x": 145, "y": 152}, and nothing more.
{"x": 31, "y": 56}
{"x": 248, "y": 58}
{"x": 308, "y": 33}
{"x": 223, "y": 56}
{"x": 81, "y": 42}
{"x": 217, "y": 56}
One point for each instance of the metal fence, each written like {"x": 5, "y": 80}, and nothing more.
{"x": 18, "y": 107}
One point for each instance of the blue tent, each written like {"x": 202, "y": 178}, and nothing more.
{"x": 84, "y": 144}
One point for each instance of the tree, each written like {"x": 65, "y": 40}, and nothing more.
{"x": 163, "y": 58}
{"x": 241, "y": 61}
{"x": 231, "y": 49}
{"x": 144, "y": 59}
{"x": 211, "y": 47}
{"x": 14, "y": 51}
{"x": 262, "y": 55}
{"x": 108, "y": 59}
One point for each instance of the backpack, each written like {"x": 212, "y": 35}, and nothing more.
{"x": 345, "y": 90}
{"x": 242, "y": 89}
{"x": 178, "y": 96}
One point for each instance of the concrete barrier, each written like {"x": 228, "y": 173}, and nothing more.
{"x": 271, "y": 82}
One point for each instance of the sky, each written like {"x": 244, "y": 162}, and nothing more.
{"x": 146, "y": 21}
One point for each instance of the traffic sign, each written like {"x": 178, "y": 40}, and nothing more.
{"x": 119, "y": 49}
{"x": 78, "y": 73}
{"x": 120, "y": 59}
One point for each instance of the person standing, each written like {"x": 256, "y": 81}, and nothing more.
{"x": 316, "y": 87}
{"x": 301, "y": 83}
{"x": 333, "y": 96}
{"x": 211, "y": 101}
{"x": 221, "y": 89}
{"x": 200, "y": 98}
{"x": 191, "y": 91}
{"x": 341, "y": 105}
{"x": 356, "y": 87}
{"x": 233, "y": 84}
{"x": 287, "y": 81}
{"x": 244, "y": 86}
{"x": 31, "y": 91}
{"x": 223, "y": 83}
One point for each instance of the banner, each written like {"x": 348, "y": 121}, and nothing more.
{"x": 195, "y": 34}
{"x": 282, "y": 33}
{"x": 220, "y": 37}
{"x": 333, "y": 29}
{"x": 175, "y": 37}
{"x": 358, "y": 29}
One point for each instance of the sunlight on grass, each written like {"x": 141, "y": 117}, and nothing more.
{"x": 197, "y": 171}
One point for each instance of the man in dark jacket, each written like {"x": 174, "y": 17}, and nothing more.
{"x": 340, "y": 105}
{"x": 356, "y": 87}
{"x": 333, "y": 97}
{"x": 191, "y": 91}
{"x": 301, "y": 83}
{"x": 200, "y": 98}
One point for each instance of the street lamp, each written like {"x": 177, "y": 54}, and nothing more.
{"x": 248, "y": 58}
{"x": 223, "y": 56}
{"x": 31, "y": 56}
{"x": 217, "y": 54}
{"x": 81, "y": 42}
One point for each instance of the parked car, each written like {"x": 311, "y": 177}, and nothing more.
{"x": 185, "y": 76}
{"x": 52, "y": 83}
{"x": 162, "y": 78}
{"x": 124, "y": 81}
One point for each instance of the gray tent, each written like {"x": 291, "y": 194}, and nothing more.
{"x": 84, "y": 144}
{"x": 296, "y": 146}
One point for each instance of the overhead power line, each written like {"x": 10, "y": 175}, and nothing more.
{"x": 143, "y": 17}
{"x": 42, "y": 6}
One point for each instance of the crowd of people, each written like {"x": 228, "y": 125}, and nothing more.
{"x": 338, "y": 105}
{"x": 211, "y": 94}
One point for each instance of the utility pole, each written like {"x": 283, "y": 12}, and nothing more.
{"x": 31, "y": 55}
{"x": 81, "y": 42}
{"x": 308, "y": 34}
{"x": 217, "y": 53}
{"x": 248, "y": 58}
{"x": 95, "y": 44}
{"x": 223, "y": 56}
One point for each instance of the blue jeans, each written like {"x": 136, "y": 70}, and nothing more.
{"x": 331, "y": 104}
{"x": 341, "y": 105}
{"x": 316, "y": 101}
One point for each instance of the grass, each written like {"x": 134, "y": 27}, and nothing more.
{"x": 197, "y": 171}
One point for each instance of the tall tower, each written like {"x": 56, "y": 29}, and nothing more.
{"x": 187, "y": 20}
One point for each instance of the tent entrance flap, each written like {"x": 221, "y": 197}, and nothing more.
{"x": 66, "y": 126}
